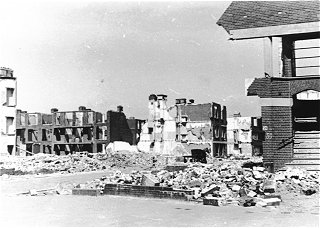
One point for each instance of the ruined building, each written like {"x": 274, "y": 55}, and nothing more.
{"x": 184, "y": 126}
{"x": 8, "y": 93}
{"x": 60, "y": 132}
{"x": 245, "y": 136}
{"x": 159, "y": 132}
{"x": 202, "y": 124}
{"x": 119, "y": 128}
{"x": 289, "y": 89}
{"x": 73, "y": 131}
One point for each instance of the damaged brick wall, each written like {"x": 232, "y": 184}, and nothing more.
{"x": 135, "y": 126}
{"x": 118, "y": 128}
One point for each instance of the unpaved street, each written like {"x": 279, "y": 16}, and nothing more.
{"x": 129, "y": 211}
{"x": 68, "y": 210}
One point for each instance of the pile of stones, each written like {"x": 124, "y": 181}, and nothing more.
{"x": 297, "y": 180}
{"x": 222, "y": 183}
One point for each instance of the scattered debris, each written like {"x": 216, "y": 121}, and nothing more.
{"x": 222, "y": 183}
{"x": 49, "y": 163}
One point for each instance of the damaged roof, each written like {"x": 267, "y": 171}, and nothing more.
{"x": 256, "y": 14}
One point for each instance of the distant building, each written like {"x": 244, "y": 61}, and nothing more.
{"x": 202, "y": 125}
{"x": 60, "y": 132}
{"x": 245, "y": 136}
{"x": 8, "y": 93}
{"x": 158, "y": 134}
{"x": 289, "y": 90}
{"x": 183, "y": 127}
{"x": 119, "y": 128}
{"x": 68, "y": 132}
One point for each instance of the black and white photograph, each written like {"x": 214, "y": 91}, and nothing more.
{"x": 159, "y": 113}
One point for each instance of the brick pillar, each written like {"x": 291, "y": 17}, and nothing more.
{"x": 278, "y": 144}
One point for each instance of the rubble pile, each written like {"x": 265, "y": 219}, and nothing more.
{"x": 222, "y": 183}
{"x": 297, "y": 181}
{"x": 48, "y": 163}
{"x": 137, "y": 160}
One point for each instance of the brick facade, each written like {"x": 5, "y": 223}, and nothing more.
{"x": 277, "y": 124}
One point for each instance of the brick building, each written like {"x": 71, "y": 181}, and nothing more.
{"x": 8, "y": 93}
{"x": 289, "y": 89}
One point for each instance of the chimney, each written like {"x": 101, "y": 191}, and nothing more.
{"x": 237, "y": 114}
{"x": 162, "y": 99}
{"x": 183, "y": 101}
{"x": 82, "y": 108}
{"x": 6, "y": 72}
{"x": 152, "y": 97}
{"x": 119, "y": 108}
{"x": 53, "y": 110}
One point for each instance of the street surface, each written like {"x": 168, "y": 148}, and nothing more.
{"x": 68, "y": 210}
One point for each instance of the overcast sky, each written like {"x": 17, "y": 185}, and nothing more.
{"x": 101, "y": 54}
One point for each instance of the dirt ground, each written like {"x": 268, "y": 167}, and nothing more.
{"x": 67, "y": 210}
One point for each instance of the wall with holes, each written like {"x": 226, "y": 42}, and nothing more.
{"x": 8, "y": 102}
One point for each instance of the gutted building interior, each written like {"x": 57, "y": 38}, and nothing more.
{"x": 69, "y": 132}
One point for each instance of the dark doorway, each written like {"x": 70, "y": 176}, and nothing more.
{"x": 306, "y": 114}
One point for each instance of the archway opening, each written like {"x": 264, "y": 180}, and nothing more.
{"x": 306, "y": 111}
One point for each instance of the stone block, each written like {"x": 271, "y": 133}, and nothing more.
{"x": 213, "y": 201}
{"x": 251, "y": 194}
{"x": 209, "y": 190}
{"x": 236, "y": 188}
{"x": 271, "y": 201}
{"x": 149, "y": 180}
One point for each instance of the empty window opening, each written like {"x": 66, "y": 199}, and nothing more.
{"x": 10, "y": 149}
{"x": 47, "y": 119}
{"x": 306, "y": 112}
{"x": 33, "y": 119}
{"x": 10, "y": 97}
{"x": 10, "y": 126}
{"x": 22, "y": 120}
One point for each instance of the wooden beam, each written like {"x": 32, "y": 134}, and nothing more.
{"x": 280, "y": 30}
